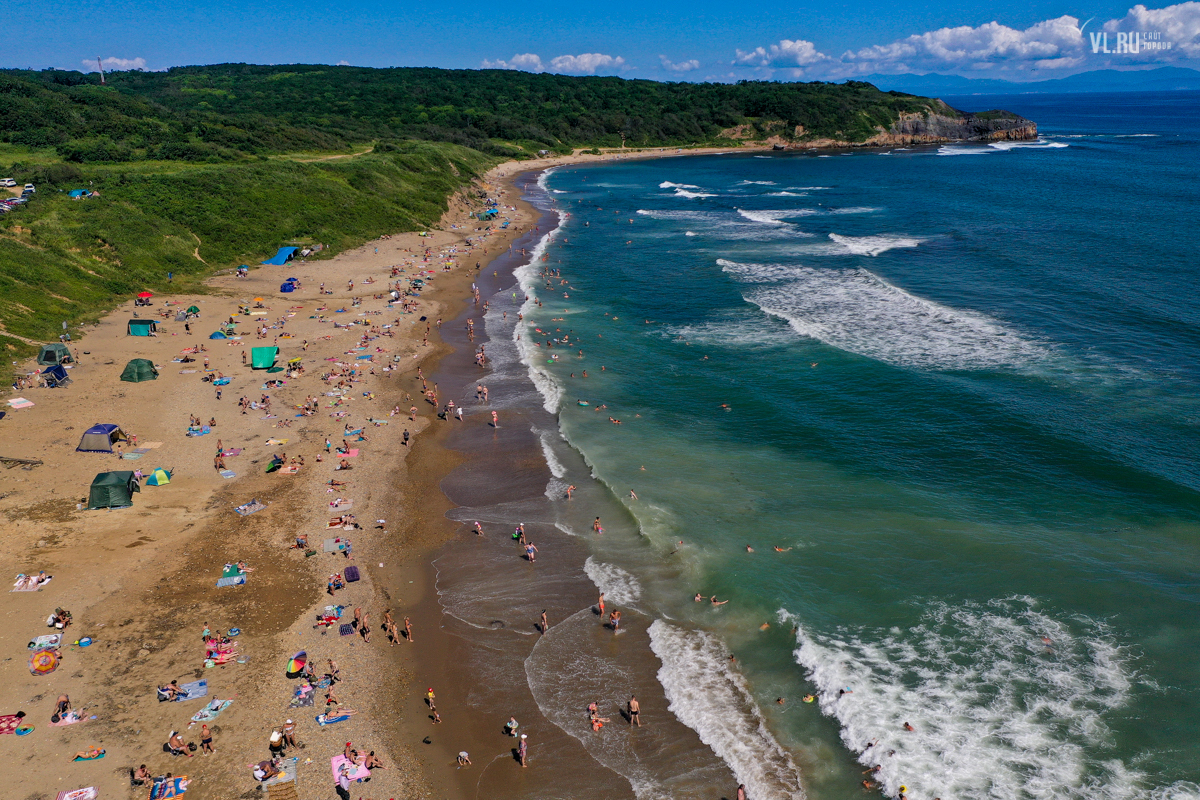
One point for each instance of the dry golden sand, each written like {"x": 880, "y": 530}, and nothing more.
{"x": 141, "y": 581}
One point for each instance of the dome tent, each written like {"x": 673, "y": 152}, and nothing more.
{"x": 54, "y": 354}
{"x": 138, "y": 370}
{"x": 99, "y": 438}
{"x": 112, "y": 490}
{"x": 159, "y": 477}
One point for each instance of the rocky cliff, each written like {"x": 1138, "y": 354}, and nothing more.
{"x": 939, "y": 124}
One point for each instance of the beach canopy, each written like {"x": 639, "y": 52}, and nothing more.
{"x": 160, "y": 477}
{"x": 287, "y": 287}
{"x": 144, "y": 295}
{"x": 54, "y": 354}
{"x": 55, "y": 375}
{"x": 138, "y": 370}
{"x": 194, "y": 310}
{"x": 113, "y": 490}
{"x": 99, "y": 438}
{"x": 263, "y": 357}
{"x": 141, "y": 327}
{"x": 284, "y": 255}
{"x": 217, "y": 335}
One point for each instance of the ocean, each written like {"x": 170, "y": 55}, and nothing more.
{"x": 928, "y": 420}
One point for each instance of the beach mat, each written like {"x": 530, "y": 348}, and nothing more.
{"x": 324, "y": 720}
{"x": 9, "y": 723}
{"x": 341, "y": 505}
{"x": 233, "y": 580}
{"x": 351, "y": 574}
{"x": 228, "y": 473}
{"x": 132, "y": 456}
{"x": 207, "y": 713}
{"x": 70, "y": 719}
{"x": 87, "y": 793}
{"x": 246, "y": 509}
{"x": 357, "y": 772}
{"x": 287, "y": 773}
{"x": 46, "y": 640}
{"x": 306, "y": 700}
{"x": 345, "y": 629}
{"x": 33, "y": 587}
{"x": 290, "y": 469}
{"x": 335, "y": 545}
{"x": 194, "y": 690}
{"x": 149, "y": 445}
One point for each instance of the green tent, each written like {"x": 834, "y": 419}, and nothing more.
{"x": 263, "y": 357}
{"x": 193, "y": 311}
{"x": 113, "y": 490}
{"x": 141, "y": 327}
{"x": 54, "y": 354}
{"x": 138, "y": 370}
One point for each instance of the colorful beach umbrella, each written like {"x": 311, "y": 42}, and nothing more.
{"x": 296, "y": 663}
{"x": 43, "y": 662}
{"x": 145, "y": 294}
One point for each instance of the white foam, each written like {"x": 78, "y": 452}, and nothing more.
{"x": 619, "y": 587}
{"x": 690, "y": 233}
{"x": 1035, "y": 144}
{"x": 765, "y": 217}
{"x": 952, "y": 150}
{"x": 787, "y": 194}
{"x": 711, "y": 698}
{"x": 527, "y": 276}
{"x": 859, "y": 312}
{"x": 556, "y": 467}
{"x": 873, "y": 245}
{"x": 997, "y": 713}
{"x": 690, "y": 195}
{"x": 654, "y": 213}
{"x": 752, "y": 330}
{"x": 669, "y": 185}
{"x": 852, "y": 210}
{"x": 756, "y": 183}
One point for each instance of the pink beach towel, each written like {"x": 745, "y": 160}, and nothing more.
{"x": 357, "y": 772}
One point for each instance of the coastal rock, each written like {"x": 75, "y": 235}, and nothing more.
{"x": 986, "y": 126}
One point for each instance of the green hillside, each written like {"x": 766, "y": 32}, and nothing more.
{"x": 203, "y": 168}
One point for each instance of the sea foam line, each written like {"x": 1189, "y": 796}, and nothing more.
{"x": 712, "y": 699}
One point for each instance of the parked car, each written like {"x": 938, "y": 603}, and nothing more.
{"x": 7, "y": 182}
{"x": 29, "y": 188}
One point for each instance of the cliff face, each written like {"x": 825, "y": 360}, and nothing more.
{"x": 990, "y": 126}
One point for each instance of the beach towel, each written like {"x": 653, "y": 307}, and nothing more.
{"x": 194, "y": 690}
{"x": 351, "y": 574}
{"x": 221, "y": 382}
{"x": 9, "y": 723}
{"x": 290, "y": 469}
{"x": 88, "y": 793}
{"x": 209, "y": 713}
{"x": 306, "y": 700}
{"x": 357, "y": 771}
{"x": 352, "y": 433}
{"x": 70, "y": 718}
{"x": 379, "y": 421}
{"x": 228, "y": 473}
{"x": 20, "y": 402}
{"x": 340, "y": 504}
{"x": 233, "y": 580}
{"x": 246, "y": 509}
{"x": 287, "y": 773}
{"x": 323, "y": 719}
{"x": 150, "y": 445}
{"x": 28, "y": 586}
{"x": 335, "y": 545}
{"x": 46, "y": 640}
{"x": 132, "y": 456}
{"x": 345, "y": 629}
{"x": 350, "y": 453}
{"x": 230, "y": 452}
{"x": 274, "y": 440}
{"x": 169, "y": 787}
{"x": 93, "y": 758}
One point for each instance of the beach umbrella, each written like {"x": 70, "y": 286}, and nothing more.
{"x": 43, "y": 662}
{"x": 296, "y": 664}
{"x": 145, "y": 294}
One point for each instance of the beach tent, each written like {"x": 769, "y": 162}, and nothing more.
{"x": 181, "y": 316}
{"x": 193, "y": 311}
{"x": 287, "y": 287}
{"x": 138, "y": 370}
{"x": 55, "y": 375}
{"x": 141, "y": 327}
{"x": 284, "y": 255}
{"x": 160, "y": 477}
{"x": 99, "y": 438}
{"x": 113, "y": 490}
{"x": 263, "y": 357}
{"x": 54, "y": 354}
{"x": 217, "y": 335}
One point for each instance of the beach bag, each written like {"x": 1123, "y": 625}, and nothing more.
{"x": 351, "y": 574}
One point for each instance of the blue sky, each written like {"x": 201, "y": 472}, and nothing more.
{"x": 699, "y": 40}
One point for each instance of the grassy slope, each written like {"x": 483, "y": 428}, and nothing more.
{"x": 62, "y": 259}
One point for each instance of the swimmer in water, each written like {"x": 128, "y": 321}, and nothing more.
{"x": 699, "y": 598}
{"x": 715, "y": 602}
{"x": 749, "y": 549}
{"x": 781, "y": 549}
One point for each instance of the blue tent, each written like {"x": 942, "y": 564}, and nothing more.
{"x": 218, "y": 335}
{"x": 56, "y": 375}
{"x": 284, "y": 255}
{"x": 287, "y": 287}
{"x": 99, "y": 438}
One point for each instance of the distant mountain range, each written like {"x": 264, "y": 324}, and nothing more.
{"x": 1162, "y": 79}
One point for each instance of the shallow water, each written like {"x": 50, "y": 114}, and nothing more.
{"x": 962, "y": 401}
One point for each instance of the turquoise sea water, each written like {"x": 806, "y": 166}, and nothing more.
{"x": 962, "y": 399}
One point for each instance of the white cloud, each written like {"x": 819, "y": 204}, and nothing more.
{"x": 343, "y": 63}
{"x": 585, "y": 63}
{"x": 787, "y": 53}
{"x": 1178, "y": 24}
{"x": 679, "y": 66}
{"x": 115, "y": 64}
{"x": 530, "y": 62}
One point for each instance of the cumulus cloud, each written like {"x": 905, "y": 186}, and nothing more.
{"x": 585, "y": 63}
{"x": 679, "y": 66}
{"x": 1179, "y": 24}
{"x": 115, "y": 63}
{"x": 582, "y": 64}
{"x": 529, "y": 62}
{"x": 787, "y": 53}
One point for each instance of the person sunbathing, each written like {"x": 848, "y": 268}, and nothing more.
{"x": 170, "y": 691}
{"x": 139, "y": 776}
{"x": 88, "y": 755}
{"x": 264, "y": 771}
